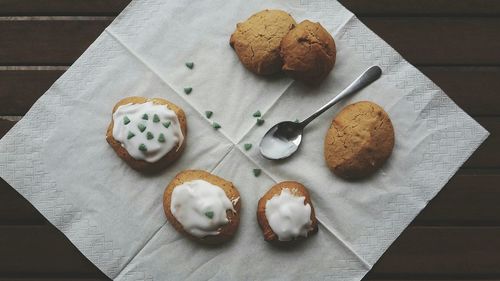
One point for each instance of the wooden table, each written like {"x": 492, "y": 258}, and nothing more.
{"x": 454, "y": 42}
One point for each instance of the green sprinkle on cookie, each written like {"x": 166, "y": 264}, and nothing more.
{"x": 256, "y": 172}
{"x": 126, "y": 120}
{"x": 216, "y": 125}
{"x": 208, "y": 114}
{"x": 209, "y": 214}
{"x": 145, "y": 116}
{"x": 150, "y": 136}
{"x": 257, "y": 114}
{"x": 260, "y": 121}
{"x": 142, "y": 147}
{"x": 188, "y": 90}
{"x": 161, "y": 138}
{"x": 130, "y": 135}
{"x": 156, "y": 118}
{"x": 141, "y": 127}
{"x": 247, "y": 146}
{"x": 190, "y": 65}
{"x": 166, "y": 124}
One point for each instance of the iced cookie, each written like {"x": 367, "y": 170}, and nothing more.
{"x": 308, "y": 52}
{"x": 285, "y": 213}
{"x": 147, "y": 133}
{"x": 256, "y": 41}
{"x": 359, "y": 140}
{"x": 202, "y": 206}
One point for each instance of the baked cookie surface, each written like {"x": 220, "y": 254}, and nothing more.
{"x": 257, "y": 40}
{"x": 308, "y": 52}
{"x": 359, "y": 140}
{"x": 148, "y": 134}
{"x": 285, "y": 213}
{"x": 202, "y": 206}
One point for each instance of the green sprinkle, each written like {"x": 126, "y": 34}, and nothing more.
{"x": 142, "y": 147}
{"x": 247, "y": 146}
{"x": 257, "y": 114}
{"x": 256, "y": 172}
{"x": 260, "y": 121}
{"x": 296, "y": 121}
{"x": 150, "y": 136}
{"x": 130, "y": 135}
{"x": 216, "y": 125}
{"x": 190, "y": 65}
{"x": 126, "y": 120}
{"x": 161, "y": 138}
{"x": 156, "y": 118}
{"x": 145, "y": 116}
{"x": 141, "y": 127}
{"x": 188, "y": 90}
{"x": 166, "y": 124}
{"x": 209, "y": 114}
{"x": 209, "y": 214}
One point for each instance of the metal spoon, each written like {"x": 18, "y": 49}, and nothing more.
{"x": 284, "y": 138}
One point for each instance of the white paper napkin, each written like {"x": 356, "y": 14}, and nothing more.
{"x": 57, "y": 156}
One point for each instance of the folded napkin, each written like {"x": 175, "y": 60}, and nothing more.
{"x": 57, "y": 156}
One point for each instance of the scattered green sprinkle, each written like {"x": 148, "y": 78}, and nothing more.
{"x": 142, "y": 147}
{"x": 247, "y": 146}
{"x": 190, "y": 65}
{"x": 150, "y": 136}
{"x": 156, "y": 118}
{"x": 256, "y": 172}
{"x": 126, "y": 120}
{"x": 141, "y": 127}
{"x": 216, "y": 125}
{"x": 257, "y": 114}
{"x": 130, "y": 135}
{"x": 209, "y": 114}
{"x": 145, "y": 116}
{"x": 260, "y": 121}
{"x": 209, "y": 214}
{"x": 166, "y": 124}
{"x": 161, "y": 138}
{"x": 296, "y": 121}
{"x": 188, "y": 90}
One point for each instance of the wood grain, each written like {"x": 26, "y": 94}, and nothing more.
{"x": 61, "y": 7}
{"x": 488, "y": 154}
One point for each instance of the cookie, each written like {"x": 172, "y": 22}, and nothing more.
{"x": 285, "y": 213}
{"x": 202, "y": 206}
{"x": 359, "y": 140}
{"x": 256, "y": 41}
{"x": 308, "y": 52}
{"x": 148, "y": 134}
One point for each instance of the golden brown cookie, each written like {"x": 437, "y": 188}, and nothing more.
{"x": 257, "y": 40}
{"x": 224, "y": 232}
{"x": 359, "y": 140}
{"x": 308, "y": 224}
{"x": 142, "y": 164}
{"x": 308, "y": 52}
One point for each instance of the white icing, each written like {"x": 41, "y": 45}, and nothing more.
{"x": 190, "y": 203}
{"x": 288, "y": 216}
{"x": 155, "y": 149}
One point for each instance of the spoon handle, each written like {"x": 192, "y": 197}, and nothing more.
{"x": 365, "y": 79}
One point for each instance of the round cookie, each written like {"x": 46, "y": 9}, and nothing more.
{"x": 257, "y": 40}
{"x": 286, "y": 214}
{"x": 359, "y": 140}
{"x": 308, "y": 52}
{"x": 202, "y": 206}
{"x": 148, "y": 134}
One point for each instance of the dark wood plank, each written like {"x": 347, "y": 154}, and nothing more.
{"x": 423, "y": 7}
{"x": 441, "y": 41}
{"x": 444, "y": 41}
{"x": 472, "y": 88}
{"x": 61, "y": 7}
{"x": 41, "y": 250}
{"x": 488, "y": 154}
{"x": 46, "y": 42}
{"x": 431, "y": 251}
{"x": 14, "y": 209}
{"x": 5, "y": 126}
{"x": 57, "y": 278}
